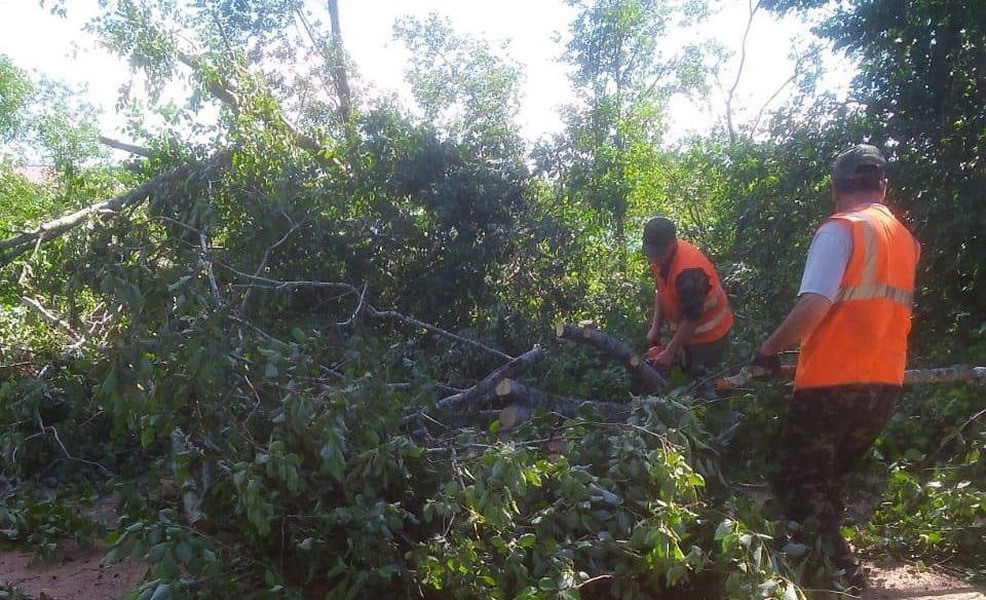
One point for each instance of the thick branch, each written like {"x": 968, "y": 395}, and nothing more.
{"x": 911, "y": 376}
{"x": 52, "y": 318}
{"x": 347, "y": 288}
{"x": 527, "y": 400}
{"x": 485, "y": 388}
{"x": 196, "y": 482}
{"x": 225, "y": 94}
{"x": 13, "y": 247}
{"x": 132, "y": 149}
{"x": 643, "y": 371}
{"x": 389, "y": 314}
{"x": 339, "y": 65}
{"x": 944, "y": 375}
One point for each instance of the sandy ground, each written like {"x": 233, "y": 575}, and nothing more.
{"x": 79, "y": 574}
{"x": 909, "y": 582}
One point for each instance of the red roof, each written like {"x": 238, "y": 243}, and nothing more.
{"x": 36, "y": 174}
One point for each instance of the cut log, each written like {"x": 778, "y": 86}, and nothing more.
{"x": 515, "y": 414}
{"x": 484, "y": 389}
{"x": 646, "y": 374}
{"x": 525, "y": 401}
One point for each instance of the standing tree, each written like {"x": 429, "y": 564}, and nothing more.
{"x": 612, "y": 131}
{"x": 922, "y": 81}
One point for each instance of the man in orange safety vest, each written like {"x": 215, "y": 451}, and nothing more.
{"x": 852, "y": 321}
{"x": 690, "y": 299}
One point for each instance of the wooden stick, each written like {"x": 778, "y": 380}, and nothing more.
{"x": 911, "y": 376}
{"x": 944, "y": 374}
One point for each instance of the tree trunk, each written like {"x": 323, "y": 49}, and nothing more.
{"x": 339, "y": 75}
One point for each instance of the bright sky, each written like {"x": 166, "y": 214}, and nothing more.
{"x": 39, "y": 42}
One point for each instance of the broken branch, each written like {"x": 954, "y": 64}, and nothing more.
{"x": 527, "y": 400}
{"x": 639, "y": 367}
{"x": 485, "y": 388}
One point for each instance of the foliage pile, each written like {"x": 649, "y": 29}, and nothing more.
{"x": 247, "y": 345}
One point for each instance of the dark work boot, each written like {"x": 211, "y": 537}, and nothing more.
{"x": 850, "y": 571}
{"x": 852, "y": 580}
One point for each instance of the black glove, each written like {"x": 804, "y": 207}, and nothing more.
{"x": 764, "y": 367}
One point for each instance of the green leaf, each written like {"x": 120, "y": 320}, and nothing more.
{"x": 162, "y": 592}
{"x": 183, "y": 552}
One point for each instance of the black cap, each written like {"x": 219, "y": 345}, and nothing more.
{"x": 658, "y": 233}
{"x": 859, "y": 162}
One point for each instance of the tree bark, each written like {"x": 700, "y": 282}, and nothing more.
{"x": 131, "y": 148}
{"x": 196, "y": 483}
{"x": 527, "y": 400}
{"x": 646, "y": 374}
{"x": 339, "y": 74}
{"x": 944, "y": 375}
{"x": 485, "y": 388}
{"x": 911, "y": 376}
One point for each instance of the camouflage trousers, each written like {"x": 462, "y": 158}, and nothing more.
{"x": 826, "y": 432}
{"x": 703, "y": 362}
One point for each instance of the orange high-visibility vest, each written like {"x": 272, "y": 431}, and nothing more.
{"x": 863, "y": 338}
{"x": 717, "y": 317}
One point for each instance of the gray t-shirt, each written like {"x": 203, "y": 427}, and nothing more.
{"x": 828, "y": 257}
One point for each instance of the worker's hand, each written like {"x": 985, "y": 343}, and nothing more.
{"x": 660, "y": 358}
{"x": 765, "y": 366}
{"x": 652, "y": 353}
{"x": 654, "y": 336}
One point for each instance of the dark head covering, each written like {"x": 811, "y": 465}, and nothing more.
{"x": 862, "y": 161}
{"x": 658, "y": 233}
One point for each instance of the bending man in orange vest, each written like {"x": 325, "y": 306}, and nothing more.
{"x": 690, "y": 299}
{"x": 852, "y": 320}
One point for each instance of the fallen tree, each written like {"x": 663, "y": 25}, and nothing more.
{"x": 13, "y": 247}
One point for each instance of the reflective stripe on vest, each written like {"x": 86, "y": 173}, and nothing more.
{"x": 867, "y": 288}
{"x": 708, "y": 324}
{"x": 717, "y": 317}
